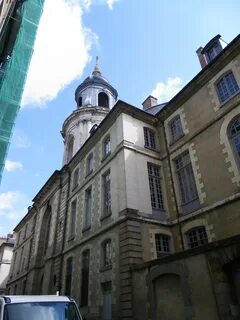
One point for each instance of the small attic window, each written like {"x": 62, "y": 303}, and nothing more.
{"x": 213, "y": 48}
{"x": 79, "y": 101}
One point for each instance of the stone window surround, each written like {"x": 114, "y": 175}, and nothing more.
{"x": 234, "y": 67}
{"x": 230, "y": 158}
{"x": 179, "y": 112}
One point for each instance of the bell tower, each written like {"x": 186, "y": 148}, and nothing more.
{"x": 94, "y": 98}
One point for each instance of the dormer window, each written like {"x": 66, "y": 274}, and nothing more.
{"x": 212, "y": 49}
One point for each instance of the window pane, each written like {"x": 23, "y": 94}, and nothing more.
{"x": 155, "y": 187}
{"x": 149, "y": 138}
{"x": 227, "y": 86}
{"x": 162, "y": 244}
{"x": 197, "y": 237}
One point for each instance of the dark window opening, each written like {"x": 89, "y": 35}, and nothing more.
{"x": 103, "y": 100}
{"x": 85, "y": 278}
{"x": 79, "y": 101}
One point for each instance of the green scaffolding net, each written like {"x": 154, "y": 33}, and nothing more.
{"x": 14, "y": 68}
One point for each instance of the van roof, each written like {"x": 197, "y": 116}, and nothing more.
{"x": 43, "y": 298}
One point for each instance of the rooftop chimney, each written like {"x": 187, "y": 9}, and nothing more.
{"x": 149, "y": 102}
{"x": 201, "y": 57}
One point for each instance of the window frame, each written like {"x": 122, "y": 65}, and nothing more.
{"x": 198, "y": 231}
{"x": 73, "y": 218}
{"x": 150, "y": 141}
{"x": 89, "y": 164}
{"x": 68, "y": 276}
{"x": 228, "y": 93}
{"x": 187, "y": 191}
{"x": 174, "y": 136}
{"x": 232, "y": 139}
{"x": 106, "y": 146}
{"x": 107, "y": 254}
{"x": 106, "y": 195}
{"x": 88, "y": 209}
{"x": 75, "y": 179}
{"x": 155, "y": 188}
{"x": 160, "y": 243}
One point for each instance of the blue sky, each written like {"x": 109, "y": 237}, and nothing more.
{"x": 144, "y": 46}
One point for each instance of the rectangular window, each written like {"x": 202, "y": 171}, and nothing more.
{"x": 75, "y": 179}
{"x": 107, "y": 253}
{"x": 73, "y": 214}
{"x": 107, "y": 301}
{"x": 68, "y": 278}
{"x": 106, "y": 147}
{"x": 89, "y": 168}
{"x": 149, "y": 138}
{"x": 155, "y": 187}
{"x": 162, "y": 244}
{"x": 175, "y": 127}
{"x": 186, "y": 179}
{"x": 85, "y": 278}
{"x": 197, "y": 237}
{"x": 88, "y": 208}
{"x": 227, "y": 86}
{"x": 106, "y": 194}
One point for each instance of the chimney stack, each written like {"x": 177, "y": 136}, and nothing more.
{"x": 201, "y": 57}
{"x": 149, "y": 102}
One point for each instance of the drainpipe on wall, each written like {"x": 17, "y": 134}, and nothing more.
{"x": 173, "y": 186}
{"x": 59, "y": 288}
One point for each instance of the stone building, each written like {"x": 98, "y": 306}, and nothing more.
{"x": 6, "y": 248}
{"x": 143, "y": 219}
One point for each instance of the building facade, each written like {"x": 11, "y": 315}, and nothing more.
{"x": 6, "y": 248}
{"x": 145, "y": 214}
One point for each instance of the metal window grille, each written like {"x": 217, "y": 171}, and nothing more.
{"x": 162, "y": 243}
{"x": 176, "y": 128}
{"x": 107, "y": 253}
{"x": 149, "y": 137}
{"x": 197, "y": 237}
{"x": 227, "y": 86}
{"x": 88, "y": 208}
{"x": 107, "y": 193}
{"x": 107, "y": 146}
{"x": 155, "y": 187}
{"x": 186, "y": 179}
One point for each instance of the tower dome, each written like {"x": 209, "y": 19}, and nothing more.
{"x": 94, "y": 97}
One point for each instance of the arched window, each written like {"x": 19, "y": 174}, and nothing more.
{"x": 103, "y": 100}
{"x": 68, "y": 278}
{"x": 79, "y": 101}
{"x": 234, "y": 135}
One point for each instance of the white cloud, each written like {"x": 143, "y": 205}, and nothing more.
{"x": 165, "y": 91}
{"x": 13, "y": 206}
{"x": 61, "y": 51}
{"x": 12, "y": 165}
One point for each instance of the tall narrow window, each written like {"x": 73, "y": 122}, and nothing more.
{"x": 197, "y": 237}
{"x": 107, "y": 301}
{"x": 25, "y": 231}
{"x": 80, "y": 101}
{"x": 107, "y": 253}
{"x": 106, "y": 194}
{"x": 70, "y": 143}
{"x": 227, "y": 86}
{"x": 175, "y": 127}
{"x": 106, "y": 146}
{"x": 186, "y": 179}
{"x": 75, "y": 179}
{"x": 162, "y": 243}
{"x": 85, "y": 278}
{"x": 88, "y": 208}
{"x": 89, "y": 164}
{"x": 149, "y": 138}
{"x": 73, "y": 213}
{"x": 48, "y": 228}
{"x": 234, "y": 133}
{"x": 155, "y": 187}
{"x": 68, "y": 277}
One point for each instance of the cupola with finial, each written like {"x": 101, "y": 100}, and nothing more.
{"x": 94, "y": 97}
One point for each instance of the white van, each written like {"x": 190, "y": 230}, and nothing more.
{"x": 38, "y": 308}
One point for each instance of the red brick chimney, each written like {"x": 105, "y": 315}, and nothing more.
{"x": 149, "y": 102}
